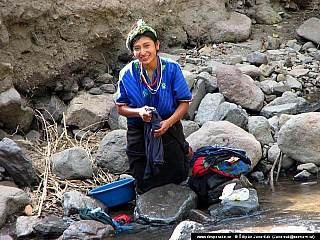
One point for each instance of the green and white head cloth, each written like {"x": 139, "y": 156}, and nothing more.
{"x": 138, "y": 28}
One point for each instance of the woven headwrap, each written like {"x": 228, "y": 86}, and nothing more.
{"x": 138, "y": 28}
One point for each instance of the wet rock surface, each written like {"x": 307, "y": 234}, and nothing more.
{"x": 165, "y": 205}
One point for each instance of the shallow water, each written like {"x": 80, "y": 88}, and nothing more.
{"x": 292, "y": 203}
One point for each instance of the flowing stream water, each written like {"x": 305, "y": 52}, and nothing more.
{"x": 291, "y": 203}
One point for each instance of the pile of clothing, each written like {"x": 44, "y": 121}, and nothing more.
{"x": 212, "y": 166}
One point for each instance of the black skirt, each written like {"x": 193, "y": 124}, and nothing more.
{"x": 175, "y": 167}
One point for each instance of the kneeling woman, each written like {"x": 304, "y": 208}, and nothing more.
{"x": 152, "y": 88}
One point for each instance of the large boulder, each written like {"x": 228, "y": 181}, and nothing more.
{"x": 166, "y": 204}
{"x": 299, "y": 137}
{"x": 237, "y": 88}
{"x": 226, "y": 134}
{"x": 111, "y": 154}
{"x": 236, "y": 28}
{"x": 310, "y": 30}
{"x": 265, "y": 14}
{"x": 89, "y": 112}
{"x": 73, "y": 163}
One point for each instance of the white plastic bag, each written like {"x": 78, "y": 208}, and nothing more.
{"x": 229, "y": 194}
{"x": 227, "y": 190}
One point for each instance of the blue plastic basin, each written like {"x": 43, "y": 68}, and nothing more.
{"x": 115, "y": 193}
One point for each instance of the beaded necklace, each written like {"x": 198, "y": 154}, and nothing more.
{"x": 157, "y": 81}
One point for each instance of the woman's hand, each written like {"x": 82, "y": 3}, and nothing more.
{"x": 165, "y": 124}
{"x": 145, "y": 114}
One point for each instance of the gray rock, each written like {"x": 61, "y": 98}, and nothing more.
{"x": 190, "y": 78}
{"x": 317, "y": 55}
{"x": 95, "y": 91}
{"x": 89, "y": 112}
{"x": 73, "y": 163}
{"x": 266, "y": 70}
{"x": 51, "y": 108}
{"x": 229, "y": 208}
{"x": 288, "y": 103}
{"x": 274, "y": 123}
{"x": 287, "y": 162}
{"x": 288, "y": 108}
{"x": 24, "y": 225}
{"x": 198, "y": 92}
{"x": 201, "y": 217}
{"x": 283, "y": 119}
{"x": 273, "y": 153}
{"x": 6, "y": 76}
{"x": 51, "y": 226}
{"x": 108, "y": 88}
{"x": 12, "y": 200}
{"x": 268, "y": 86}
{"x": 265, "y": 14}
{"x": 184, "y": 229}
{"x": 310, "y": 167}
{"x": 250, "y": 70}
{"x": 260, "y": 128}
{"x": 236, "y": 88}
{"x": 299, "y": 137}
{"x": 67, "y": 95}
{"x": 273, "y": 43}
{"x": 104, "y": 79}
{"x": 113, "y": 119}
{"x": 310, "y": 30}
{"x": 33, "y": 136}
{"x": 288, "y": 97}
{"x": 172, "y": 57}
{"x": 226, "y": 134}
{"x": 236, "y": 28}
{"x": 189, "y": 127}
{"x": 304, "y": 175}
{"x": 74, "y": 201}
{"x": 14, "y": 111}
{"x": 111, "y": 154}
{"x": 208, "y": 108}
{"x": 298, "y": 72}
{"x": 193, "y": 60}
{"x": 88, "y": 229}
{"x": 293, "y": 83}
{"x": 257, "y": 58}
{"x": 236, "y": 59}
{"x": 87, "y": 83}
{"x": 17, "y": 163}
{"x": 232, "y": 113}
{"x": 167, "y": 204}
{"x": 81, "y": 135}
{"x": 258, "y": 176}
{"x": 210, "y": 81}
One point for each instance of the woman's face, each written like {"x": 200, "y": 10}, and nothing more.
{"x": 145, "y": 49}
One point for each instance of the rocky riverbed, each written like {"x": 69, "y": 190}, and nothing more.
{"x": 259, "y": 94}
